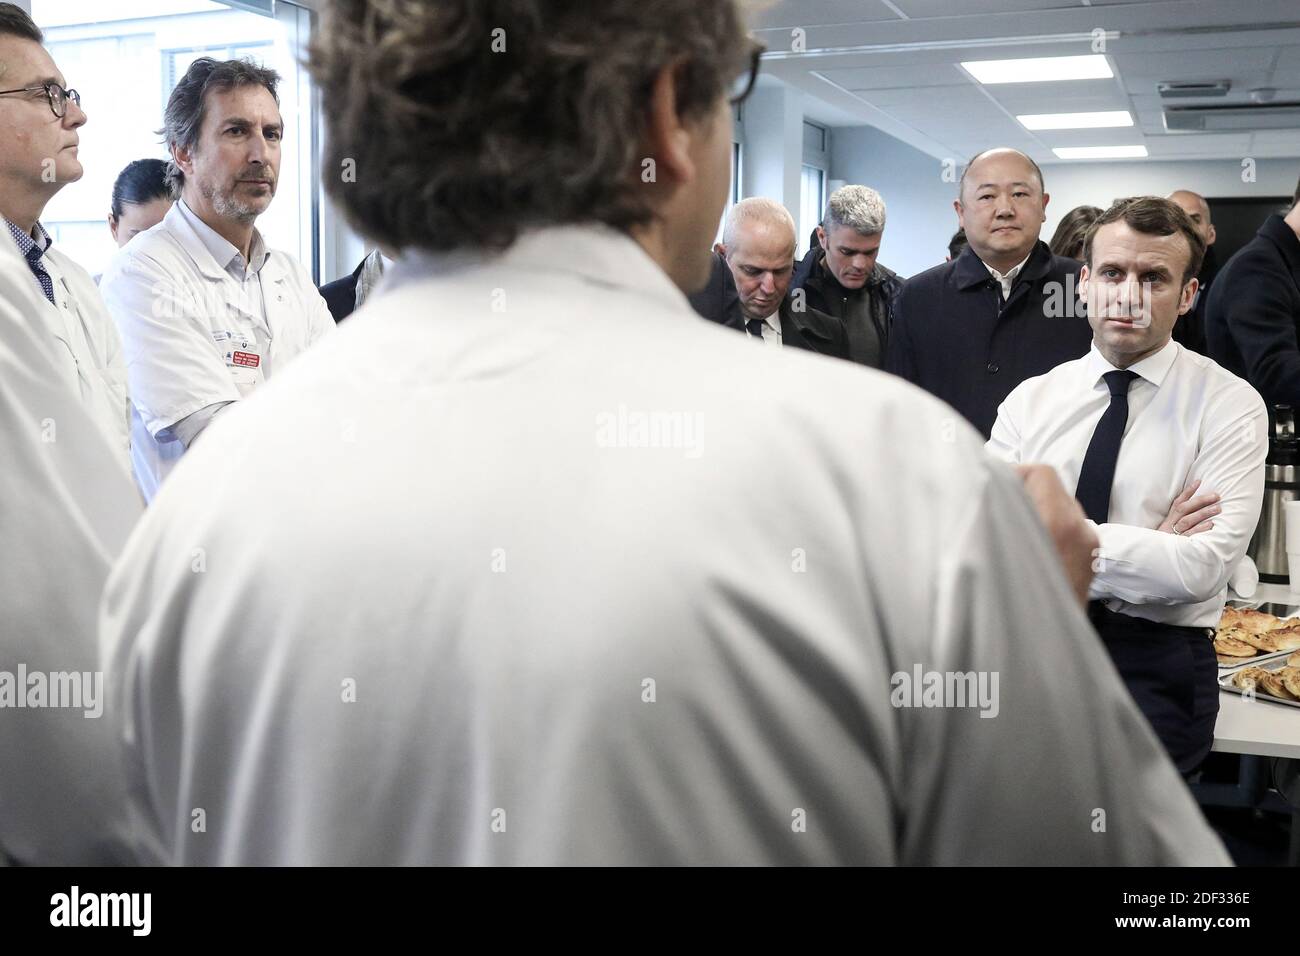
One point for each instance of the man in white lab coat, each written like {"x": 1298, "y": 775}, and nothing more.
{"x": 529, "y": 565}
{"x": 68, "y": 504}
{"x": 207, "y": 312}
{"x": 39, "y": 120}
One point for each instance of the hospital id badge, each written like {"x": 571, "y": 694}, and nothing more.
{"x": 243, "y": 358}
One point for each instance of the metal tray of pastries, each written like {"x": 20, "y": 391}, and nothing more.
{"x": 1276, "y": 681}
{"x": 1249, "y": 635}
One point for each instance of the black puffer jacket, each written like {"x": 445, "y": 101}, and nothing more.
{"x": 866, "y": 313}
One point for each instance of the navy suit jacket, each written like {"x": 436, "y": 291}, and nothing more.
{"x": 954, "y": 336}
{"x": 1252, "y": 319}
{"x": 341, "y": 294}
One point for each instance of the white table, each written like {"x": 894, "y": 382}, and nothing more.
{"x": 1258, "y": 726}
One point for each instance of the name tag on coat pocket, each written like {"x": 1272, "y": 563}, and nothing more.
{"x": 242, "y": 358}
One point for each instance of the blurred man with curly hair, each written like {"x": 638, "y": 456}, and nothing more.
{"x": 527, "y": 564}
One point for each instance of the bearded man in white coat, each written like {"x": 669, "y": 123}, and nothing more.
{"x": 526, "y": 564}
{"x": 207, "y": 310}
{"x": 39, "y": 122}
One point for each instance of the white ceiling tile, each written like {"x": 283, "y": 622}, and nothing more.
{"x": 807, "y": 12}
{"x": 928, "y": 95}
{"x": 922, "y": 9}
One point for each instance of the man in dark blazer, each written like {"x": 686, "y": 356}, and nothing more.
{"x": 341, "y": 294}
{"x": 1252, "y": 319}
{"x": 344, "y": 296}
{"x": 1005, "y": 310}
{"x": 758, "y": 245}
{"x": 718, "y": 300}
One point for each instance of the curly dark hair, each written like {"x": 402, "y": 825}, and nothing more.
{"x": 1153, "y": 216}
{"x": 187, "y": 105}
{"x": 468, "y": 121}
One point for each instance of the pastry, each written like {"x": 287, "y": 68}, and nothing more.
{"x": 1247, "y": 677}
{"x": 1263, "y": 640}
{"x": 1286, "y": 638}
{"x": 1271, "y": 684}
{"x": 1230, "y": 647}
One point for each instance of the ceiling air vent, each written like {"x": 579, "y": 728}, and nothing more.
{"x": 1170, "y": 90}
{"x": 1244, "y": 117}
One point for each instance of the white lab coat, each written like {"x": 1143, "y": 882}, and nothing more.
{"x": 532, "y": 565}
{"x": 89, "y": 359}
{"x": 188, "y": 331}
{"x": 66, "y": 506}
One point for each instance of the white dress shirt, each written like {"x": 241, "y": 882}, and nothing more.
{"x": 68, "y": 505}
{"x": 771, "y": 329}
{"x": 1188, "y": 419}
{"x": 201, "y": 329}
{"x": 1007, "y": 279}
{"x": 488, "y": 579}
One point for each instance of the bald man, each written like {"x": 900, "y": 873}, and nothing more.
{"x": 1004, "y": 310}
{"x": 1190, "y": 330}
{"x": 758, "y": 244}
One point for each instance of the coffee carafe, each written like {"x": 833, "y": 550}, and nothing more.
{"x": 1268, "y": 546}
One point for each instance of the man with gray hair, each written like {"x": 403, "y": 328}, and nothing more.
{"x": 758, "y": 242}
{"x": 842, "y": 278}
{"x": 206, "y": 311}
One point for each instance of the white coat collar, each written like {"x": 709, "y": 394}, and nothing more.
{"x": 204, "y": 246}
{"x": 593, "y": 252}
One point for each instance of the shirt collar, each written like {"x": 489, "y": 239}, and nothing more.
{"x": 969, "y": 270}
{"x": 1010, "y": 274}
{"x": 34, "y": 246}
{"x": 595, "y": 253}
{"x": 1153, "y": 368}
{"x": 222, "y": 250}
{"x": 773, "y": 321}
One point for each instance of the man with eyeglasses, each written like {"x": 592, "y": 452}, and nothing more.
{"x": 39, "y": 120}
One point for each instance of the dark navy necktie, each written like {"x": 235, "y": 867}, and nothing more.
{"x": 1098, "y": 471}
{"x": 755, "y": 327}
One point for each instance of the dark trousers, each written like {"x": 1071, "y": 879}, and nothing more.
{"x": 1172, "y": 674}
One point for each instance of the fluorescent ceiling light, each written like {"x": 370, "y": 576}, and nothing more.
{"x": 1076, "y": 120}
{"x": 1041, "y": 69}
{"x": 1100, "y": 152}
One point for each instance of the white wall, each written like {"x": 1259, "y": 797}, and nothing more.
{"x": 1098, "y": 184}
{"x": 773, "y": 145}
{"x": 919, "y": 218}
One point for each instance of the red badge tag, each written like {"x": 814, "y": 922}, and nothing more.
{"x": 246, "y": 359}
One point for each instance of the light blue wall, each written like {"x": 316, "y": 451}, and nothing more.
{"x": 918, "y": 201}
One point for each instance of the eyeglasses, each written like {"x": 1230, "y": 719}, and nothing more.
{"x": 56, "y": 94}
{"x": 743, "y": 85}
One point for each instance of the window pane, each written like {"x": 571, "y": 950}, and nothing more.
{"x": 812, "y": 184}
{"x": 124, "y": 58}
